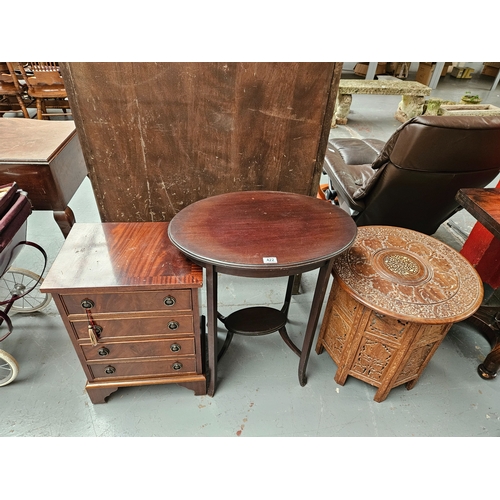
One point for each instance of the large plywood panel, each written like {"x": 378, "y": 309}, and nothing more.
{"x": 159, "y": 136}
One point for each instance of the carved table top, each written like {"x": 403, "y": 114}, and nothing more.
{"x": 409, "y": 276}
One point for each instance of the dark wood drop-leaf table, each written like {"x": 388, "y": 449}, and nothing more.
{"x": 262, "y": 234}
{"x": 45, "y": 158}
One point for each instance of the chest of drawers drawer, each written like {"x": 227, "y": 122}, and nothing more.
{"x": 124, "y": 302}
{"x": 139, "y": 349}
{"x": 107, "y": 328}
{"x": 141, "y": 368}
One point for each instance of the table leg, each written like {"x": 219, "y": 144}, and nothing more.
{"x": 409, "y": 107}
{"x": 286, "y": 306}
{"x": 488, "y": 369}
{"x": 65, "y": 220}
{"x": 319, "y": 294}
{"x": 487, "y": 320}
{"x": 342, "y": 109}
{"x": 211, "y": 276}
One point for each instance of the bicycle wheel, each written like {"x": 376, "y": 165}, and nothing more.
{"x": 17, "y": 281}
{"x": 8, "y": 368}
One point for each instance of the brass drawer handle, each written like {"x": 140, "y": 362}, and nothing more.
{"x": 175, "y": 347}
{"x": 173, "y": 325}
{"x": 109, "y": 370}
{"x": 177, "y": 366}
{"x": 169, "y": 300}
{"x": 103, "y": 351}
{"x": 87, "y": 304}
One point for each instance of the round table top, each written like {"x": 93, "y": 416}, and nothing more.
{"x": 409, "y": 276}
{"x": 266, "y": 233}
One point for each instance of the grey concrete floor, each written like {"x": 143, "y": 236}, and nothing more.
{"x": 258, "y": 392}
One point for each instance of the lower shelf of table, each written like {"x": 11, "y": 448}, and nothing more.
{"x": 255, "y": 321}
{"x": 98, "y": 391}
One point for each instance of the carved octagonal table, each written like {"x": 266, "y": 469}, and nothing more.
{"x": 395, "y": 295}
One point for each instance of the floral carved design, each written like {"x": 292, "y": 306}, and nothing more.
{"x": 372, "y": 359}
{"x": 409, "y": 275}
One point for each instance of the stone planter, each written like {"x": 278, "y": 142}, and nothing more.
{"x": 469, "y": 110}
{"x": 433, "y": 106}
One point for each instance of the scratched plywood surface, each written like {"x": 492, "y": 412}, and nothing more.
{"x": 160, "y": 136}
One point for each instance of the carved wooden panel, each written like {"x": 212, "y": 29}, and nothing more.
{"x": 387, "y": 327}
{"x": 159, "y": 136}
{"x": 412, "y": 367}
{"x": 337, "y": 321}
{"x": 371, "y": 360}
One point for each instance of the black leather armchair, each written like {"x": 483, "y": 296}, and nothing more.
{"x": 411, "y": 180}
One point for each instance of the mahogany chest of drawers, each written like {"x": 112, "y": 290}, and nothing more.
{"x": 129, "y": 301}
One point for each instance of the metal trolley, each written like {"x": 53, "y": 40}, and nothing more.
{"x": 19, "y": 288}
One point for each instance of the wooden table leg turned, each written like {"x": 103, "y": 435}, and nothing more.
{"x": 487, "y": 320}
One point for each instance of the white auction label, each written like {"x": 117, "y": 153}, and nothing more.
{"x": 270, "y": 260}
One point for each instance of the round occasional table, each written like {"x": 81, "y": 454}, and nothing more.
{"x": 395, "y": 295}
{"x": 262, "y": 234}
